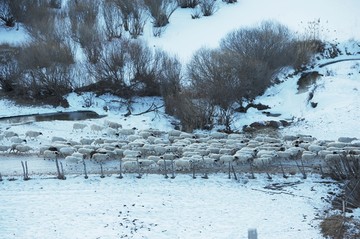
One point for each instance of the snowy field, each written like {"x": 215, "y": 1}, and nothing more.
{"x": 155, "y": 207}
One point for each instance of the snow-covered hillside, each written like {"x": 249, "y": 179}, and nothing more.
{"x": 336, "y": 92}
{"x": 218, "y": 207}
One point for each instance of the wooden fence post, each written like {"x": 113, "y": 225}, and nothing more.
{"x": 252, "y": 233}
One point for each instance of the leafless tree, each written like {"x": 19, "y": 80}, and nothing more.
{"x": 208, "y": 7}
{"x": 188, "y": 3}
{"x": 133, "y": 15}
{"x": 45, "y": 70}
{"x": 161, "y": 10}
{"x": 5, "y": 14}
{"x": 113, "y": 20}
{"x": 9, "y": 73}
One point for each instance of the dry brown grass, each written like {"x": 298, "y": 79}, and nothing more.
{"x": 340, "y": 227}
{"x": 333, "y": 227}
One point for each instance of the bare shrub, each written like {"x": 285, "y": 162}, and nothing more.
{"x": 84, "y": 27}
{"x": 45, "y": 71}
{"x": 211, "y": 78}
{"x": 196, "y": 13}
{"x": 230, "y": 1}
{"x": 161, "y": 10}
{"x": 127, "y": 68}
{"x": 9, "y": 73}
{"x": 188, "y": 3}
{"x": 303, "y": 50}
{"x": 110, "y": 70}
{"x": 137, "y": 22}
{"x": 133, "y": 15}
{"x": 5, "y": 14}
{"x": 37, "y": 17}
{"x": 56, "y": 4}
{"x": 244, "y": 66}
{"x": 113, "y": 20}
{"x": 193, "y": 113}
{"x": 170, "y": 77}
{"x": 20, "y": 9}
{"x": 83, "y": 20}
{"x": 347, "y": 166}
{"x": 208, "y": 7}
{"x": 333, "y": 227}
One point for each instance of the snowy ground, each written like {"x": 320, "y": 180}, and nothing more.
{"x": 154, "y": 207}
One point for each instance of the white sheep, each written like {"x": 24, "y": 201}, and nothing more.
{"x": 337, "y": 144}
{"x": 346, "y": 139}
{"x": 23, "y": 148}
{"x": 111, "y": 132}
{"x": 182, "y": 164}
{"x": 96, "y": 128}
{"x": 159, "y": 150}
{"x": 10, "y": 134}
{"x": 130, "y": 165}
{"x": 154, "y": 158}
{"x": 113, "y": 125}
{"x": 99, "y": 157}
{"x": 74, "y": 158}
{"x": 85, "y": 151}
{"x": 284, "y": 154}
{"x": 98, "y": 141}
{"x": 48, "y": 154}
{"x": 262, "y": 161}
{"x": 66, "y": 151}
{"x": 218, "y": 135}
{"x": 131, "y": 153}
{"x": 32, "y": 134}
{"x": 4, "y": 148}
{"x": 226, "y": 151}
{"x": 174, "y": 133}
{"x": 162, "y": 162}
{"x": 243, "y": 157}
{"x": 58, "y": 139}
{"x": 132, "y": 138}
{"x": 146, "y": 162}
{"x": 126, "y": 132}
{"x": 332, "y": 157}
{"x": 266, "y": 153}
{"x": 86, "y": 141}
{"x": 17, "y": 140}
{"x": 315, "y": 148}
{"x": 79, "y": 126}
{"x": 308, "y": 155}
{"x": 225, "y": 159}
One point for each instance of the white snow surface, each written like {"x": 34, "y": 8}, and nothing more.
{"x": 154, "y": 207}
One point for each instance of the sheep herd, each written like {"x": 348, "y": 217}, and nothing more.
{"x": 155, "y": 150}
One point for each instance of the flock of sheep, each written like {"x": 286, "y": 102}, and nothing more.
{"x": 156, "y": 150}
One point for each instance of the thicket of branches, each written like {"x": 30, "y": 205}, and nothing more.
{"x": 244, "y": 66}
{"x": 89, "y": 45}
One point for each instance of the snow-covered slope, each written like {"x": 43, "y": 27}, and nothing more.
{"x": 336, "y": 93}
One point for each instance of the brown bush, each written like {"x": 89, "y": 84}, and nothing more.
{"x": 5, "y": 14}
{"x": 44, "y": 69}
{"x": 161, "y": 10}
{"x": 188, "y": 3}
{"x": 133, "y": 15}
{"x": 333, "y": 227}
{"x": 113, "y": 21}
{"x": 192, "y": 113}
{"x": 9, "y": 72}
{"x": 208, "y": 7}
